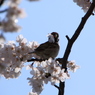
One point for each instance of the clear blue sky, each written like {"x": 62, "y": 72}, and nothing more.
{"x": 62, "y": 16}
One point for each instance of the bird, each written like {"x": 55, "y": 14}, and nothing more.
{"x": 49, "y": 49}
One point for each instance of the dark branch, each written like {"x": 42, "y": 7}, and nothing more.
{"x": 77, "y": 32}
{"x": 1, "y": 2}
{"x": 40, "y": 60}
{"x": 71, "y": 42}
{"x": 61, "y": 88}
{"x": 67, "y": 37}
{"x": 56, "y": 86}
{"x": 3, "y": 10}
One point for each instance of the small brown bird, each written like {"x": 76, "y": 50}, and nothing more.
{"x": 49, "y": 48}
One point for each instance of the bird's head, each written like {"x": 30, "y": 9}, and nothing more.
{"x": 53, "y": 37}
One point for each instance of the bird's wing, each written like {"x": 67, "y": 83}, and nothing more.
{"x": 43, "y": 46}
{"x": 46, "y": 46}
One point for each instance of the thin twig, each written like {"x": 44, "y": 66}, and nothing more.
{"x": 40, "y": 60}
{"x": 2, "y": 11}
{"x": 56, "y": 86}
{"x": 67, "y": 37}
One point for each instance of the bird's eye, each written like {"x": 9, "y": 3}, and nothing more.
{"x": 56, "y": 35}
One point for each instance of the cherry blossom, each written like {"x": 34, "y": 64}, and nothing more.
{"x": 9, "y": 23}
{"x": 84, "y": 4}
{"x": 13, "y": 57}
{"x": 72, "y": 66}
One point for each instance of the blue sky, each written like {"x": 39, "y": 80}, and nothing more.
{"x": 62, "y": 16}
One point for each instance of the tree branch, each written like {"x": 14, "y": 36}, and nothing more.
{"x": 71, "y": 42}
{"x": 40, "y": 60}
{"x": 56, "y": 87}
{"x": 67, "y": 37}
{"x": 2, "y": 11}
{"x": 1, "y": 2}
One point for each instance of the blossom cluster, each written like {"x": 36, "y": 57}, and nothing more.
{"x": 44, "y": 72}
{"x": 13, "y": 57}
{"x": 48, "y": 71}
{"x": 9, "y": 23}
{"x": 84, "y": 4}
{"x": 72, "y": 66}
